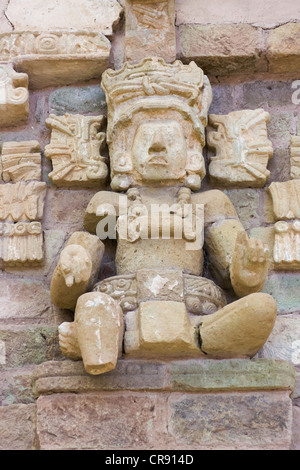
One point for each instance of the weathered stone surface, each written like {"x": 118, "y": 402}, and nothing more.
{"x": 44, "y": 15}
{"x": 17, "y": 427}
{"x": 29, "y": 345}
{"x": 24, "y": 299}
{"x": 296, "y": 429}
{"x": 283, "y": 48}
{"x": 221, "y": 49}
{"x": 22, "y": 201}
{"x": 77, "y": 100}
{"x": 69, "y": 376}
{"x": 55, "y": 58}
{"x": 232, "y": 421}
{"x": 14, "y": 96}
{"x": 285, "y": 290}
{"x": 231, "y": 375}
{"x": 107, "y": 421}
{"x": 284, "y": 342}
{"x": 246, "y": 202}
{"x": 150, "y": 30}
{"x": 16, "y": 386}
{"x": 262, "y": 14}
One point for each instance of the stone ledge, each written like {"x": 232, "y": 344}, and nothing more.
{"x": 190, "y": 375}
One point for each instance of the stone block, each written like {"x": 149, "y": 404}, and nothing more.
{"x": 70, "y": 376}
{"x": 285, "y": 290}
{"x": 231, "y": 375}
{"x": 107, "y": 421}
{"x": 246, "y": 202}
{"x": 150, "y": 30}
{"x": 283, "y": 45}
{"x": 236, "y": 421}
{"x": 27, "y": 345}
{"x": 16, "y": 386}
{"x": 81, "y": 100}
{"x": 222, "y": 49}
{"x": 24, "y": 299}
{"x": 296, "y": 429}
{"x": 33, "y": 15}
{"x": 17, "y": 427}
{"x": 284, "y": 343}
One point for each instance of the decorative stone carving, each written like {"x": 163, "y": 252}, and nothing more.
{"x": 150, "y": 29}
{"x": 21, "y": 161}
{"x": 157, "y": 115}
{"x": 57, "y": 57}
{"x": 14, "y": 96}
{"x": 242, "y": 148}
{"x": 286, "y": 199}
{"x": 295, "y": 157}
{"x": 74, "y": 150}
{"x": 286, "y": 207}
{"x": 22, "y": 201}
{"x": 156, "y": 101}
{"x": 21, "y": 243}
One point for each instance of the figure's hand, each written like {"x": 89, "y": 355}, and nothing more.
{"x": 75, "y": 264}
{"x": 249, "y": 265}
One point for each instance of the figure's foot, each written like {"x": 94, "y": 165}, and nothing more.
{"x": 240, "y": 329}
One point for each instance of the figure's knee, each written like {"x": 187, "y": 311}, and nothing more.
{"x": 96, "y": 335}
{"x": 239, "y": 329}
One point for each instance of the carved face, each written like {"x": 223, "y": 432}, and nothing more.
{"x": 159, "y": 150}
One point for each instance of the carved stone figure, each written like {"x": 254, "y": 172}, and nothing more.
{"x": 14, "y": 96}
{"x": 75, "y": 150}
{"x": 242, "y": 148}
{"x": 157, "y": 115}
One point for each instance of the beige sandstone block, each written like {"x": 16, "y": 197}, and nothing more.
{"x": 295, "y": 157}
{"x": 286, "y": 199}
{"x": 21, "y": 161}
{"x": 54, "y": 58}
{"x": 74, "y": 150}
{"x": 283, "y": 48}
{"x": 45, "y": 15}
{"x": 150, "y": 30}
{"x": 242, "y": 148}
{"x": 21, "y": 244}
{"x": 14, "y": 96}
{"x": 222, "y": 49}
{"x": 165, "y": 329}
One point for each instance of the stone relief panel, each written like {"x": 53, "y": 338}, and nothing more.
{"x": 57, "y": 57}
{"x": 242, "y": 148}
{"x": 21, "y": 161}
{"x": 14, "y": 96}
{"x": 76, "y": 143}
{"x": 286, "y": 206}
{"x": 295, "y": 157}
{"x": 150, "y": 29}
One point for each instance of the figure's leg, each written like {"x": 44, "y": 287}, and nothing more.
{"x": 240, "y": 329}
{"x": 96, "y": 335}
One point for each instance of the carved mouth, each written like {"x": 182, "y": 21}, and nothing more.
{"x": 158, "y": 159}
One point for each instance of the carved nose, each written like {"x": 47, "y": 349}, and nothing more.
{"x": 158, "y": 143}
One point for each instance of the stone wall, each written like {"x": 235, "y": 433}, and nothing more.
{"x": 252, "y": 58}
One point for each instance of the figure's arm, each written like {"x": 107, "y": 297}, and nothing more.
{"x": 238, "y": 262}
{"x": 76, "y": 270}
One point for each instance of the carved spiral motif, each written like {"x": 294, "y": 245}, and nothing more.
{"x": 17, "y": 95}
{"x": 47, "y": 43}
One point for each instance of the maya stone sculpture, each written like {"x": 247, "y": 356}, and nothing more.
{"x": 158, "y": 305}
